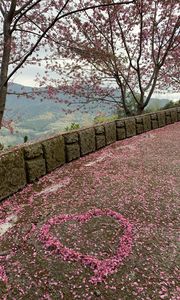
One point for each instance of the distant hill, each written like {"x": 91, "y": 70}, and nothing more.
{"x": 41, "y": 117}
{"x": 156, "y": 104}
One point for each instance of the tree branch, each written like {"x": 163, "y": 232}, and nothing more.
{"x": 139, "y": 56}
{"x": 95, "y": 6}
{"x": 170, "y": 42}
{"x": 125, "y": 44}
{"x": 25, "y": 5}
{"x": 57, "y": 18}
{"x": 23, "y": 13}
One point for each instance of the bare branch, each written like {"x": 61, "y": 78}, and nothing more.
{"x": 23, "y": 13}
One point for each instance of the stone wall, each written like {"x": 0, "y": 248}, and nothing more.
{"x": 28, "y": 162}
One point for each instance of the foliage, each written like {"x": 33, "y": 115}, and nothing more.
{"x": 25, "y": 138}
{"x": 73, "y": 126}
{"x": 171, "y": 104}
{"x": 102, "y": 118}
{"x": 152, "y": 109}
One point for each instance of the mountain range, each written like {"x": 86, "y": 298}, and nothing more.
{"x": 36, "y": 117}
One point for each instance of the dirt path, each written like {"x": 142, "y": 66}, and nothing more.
{"x": 102, "y": 227}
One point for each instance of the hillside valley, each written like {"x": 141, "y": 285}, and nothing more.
{"x": 39, "y": 117}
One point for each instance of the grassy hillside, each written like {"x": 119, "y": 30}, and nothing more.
{"x": 37, "y": 117}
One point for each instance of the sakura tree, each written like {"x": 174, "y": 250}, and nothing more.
{"x": 119, "y": 54}
{"x": 26, "y": 30}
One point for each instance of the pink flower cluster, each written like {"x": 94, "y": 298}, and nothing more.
{"x": 101, "y": 268}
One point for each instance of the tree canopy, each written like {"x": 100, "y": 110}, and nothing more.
{"x": 114, "y": 51}
{"x": 119, "y": 53}
{"x": 26, "y": 28}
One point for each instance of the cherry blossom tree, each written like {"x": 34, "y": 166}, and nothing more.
{"x": 26, "y": 27}
{"x": 119, "y": 54}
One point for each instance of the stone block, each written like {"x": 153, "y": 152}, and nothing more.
{"x": 161, "y": 118}
{"x": 139, "y": 128}
{"x": 130, "y": 127}
{"x": 72, "y": 152}
{"x": 110, "y": 133}
{"x": 154, "y": 124}
{"x": 147, "y": 122}
{"x": 154, "y": 121}
{"x": 139, "y": 125}
{"x": 33, "y": 150}
{"x": 71, "y": 138}
{"x": 121, "y": 133}
{"x": 168, "y": 112}
{"x": 100, "y": 141}
{"x": 153, "y": 116}
{"x": 12, "y": 172}
{"x": 120, "y": 124}
{"x": 54, "y": 152}
{"x": 139, "y": 120}
{"x": 174, "y": 116}
{"x": 87, "y": 141}
{"x": 178, "y": 113}
{"x": 35, "y": 168}
{"x": 168, "y": 120}
{"x": 168, "y": 117}
{"x": 99, "y": 129}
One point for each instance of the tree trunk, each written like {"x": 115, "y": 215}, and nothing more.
{"x": 4, "y": 68}
{"x": 140, "y": 110}
{"x": 3, "y": 93}
{"x": 7, "y": 43}
{"x": 128, "y": 113}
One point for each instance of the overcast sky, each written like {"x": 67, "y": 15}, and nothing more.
{"x": 26, "y": 76}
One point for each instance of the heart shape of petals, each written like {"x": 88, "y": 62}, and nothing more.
{"x": 101, "y": 268}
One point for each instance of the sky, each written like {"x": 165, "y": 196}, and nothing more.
{"x": 27, "y": 75}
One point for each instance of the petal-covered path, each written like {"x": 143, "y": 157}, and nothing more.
{"x": 102, "y": 227}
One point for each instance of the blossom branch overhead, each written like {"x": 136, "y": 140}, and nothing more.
{"x": 20, "y": 37}
{"x": 130, "y": 44}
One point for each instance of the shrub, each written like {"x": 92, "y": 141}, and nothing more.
{"x": 73, "y": 126}
{"x": 1, "y": 147}
{"x": 102, "y": 118}
{"x": 25, "y": 138}
{"x": 171, "y": 104}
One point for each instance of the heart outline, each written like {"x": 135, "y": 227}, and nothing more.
{"x": 101, "y": 268}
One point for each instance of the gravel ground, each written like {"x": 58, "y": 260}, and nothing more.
{"x": 102, "y": 227}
